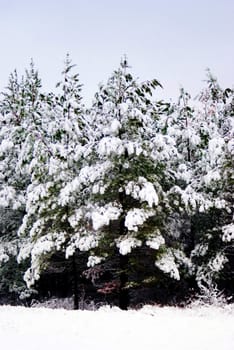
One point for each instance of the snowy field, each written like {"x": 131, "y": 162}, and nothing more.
{"x": 151, "y": 328}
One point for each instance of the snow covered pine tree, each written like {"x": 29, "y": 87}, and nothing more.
{"x": 20, "y": 112}
{"x": 58, "y": 152}
{"x": 204, "y": 138}
{"x": 126, "y": 182}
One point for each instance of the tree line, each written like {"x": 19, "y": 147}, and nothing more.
{"x": 127, "y": 201}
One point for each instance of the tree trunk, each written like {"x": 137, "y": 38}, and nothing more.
{"x": 123, "y": 264}
{"x": 123, "y": 291}
{"x": 75, "y": 284}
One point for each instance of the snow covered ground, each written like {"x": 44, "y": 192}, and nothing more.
{"x": 151, "y": 328}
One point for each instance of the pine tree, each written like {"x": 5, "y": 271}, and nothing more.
{"x": 48, "y": 223}
{"x": 20, "y": 107}
{"x": 125, "y": 181}
{"x": 211, "y": 253}
{"x": 203, "y": 135}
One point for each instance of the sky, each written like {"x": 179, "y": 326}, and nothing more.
{"x": 173, "y": 41}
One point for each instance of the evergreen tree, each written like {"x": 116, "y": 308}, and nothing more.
{"x": 20, "y": 108}
{"x": 48, "y": 223}
{"x": 203, "y": 135}
{"x": 215, "y": 168}
{"x": 126, "y": 181}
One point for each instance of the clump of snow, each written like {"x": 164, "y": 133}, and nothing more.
{"x": 5, "y": 146}
{"x": 94, "y": 260}
{"x": 87, "y": 175}
{"x": 87, "y": 242}
{"x": 192, "y": 199}
{"x": 25, "y": 250}
{"x": 136, "y": 217}
{"x": 162, "y": 148}
{"x": 7, "y": 250}
{"x": 216, "y": 149}
{"x": 75, "y": 218}
{"x": 190, "y": 134}
{"x": 107, "y": 106}
{"x": 115, "y": 126}
{"x": 110, "y": 145}
{"x": 127, "y": 244}
{"x": 230, "y": 146}
{"x": 83, "y": 242}
{"x": 7, "y": 195}
{"x": 130, "y": 146}
{"x": 213, "y": 175}
{"x": 73, "y": 103}
{"x": 103, "y": 215}
{"x": 167, "y": 264}
{"x": 123, "y": 107}
{"x": 155, "y": 242}
{"x": 142, "y": 190}
{"x": 220, "y": 203}
{"x": 228, "y": 233}
{"x": 184, "y": 173}
{"x": 99, "y": 188}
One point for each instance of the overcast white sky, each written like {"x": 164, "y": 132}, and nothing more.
{"x": 171, "y": 40}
